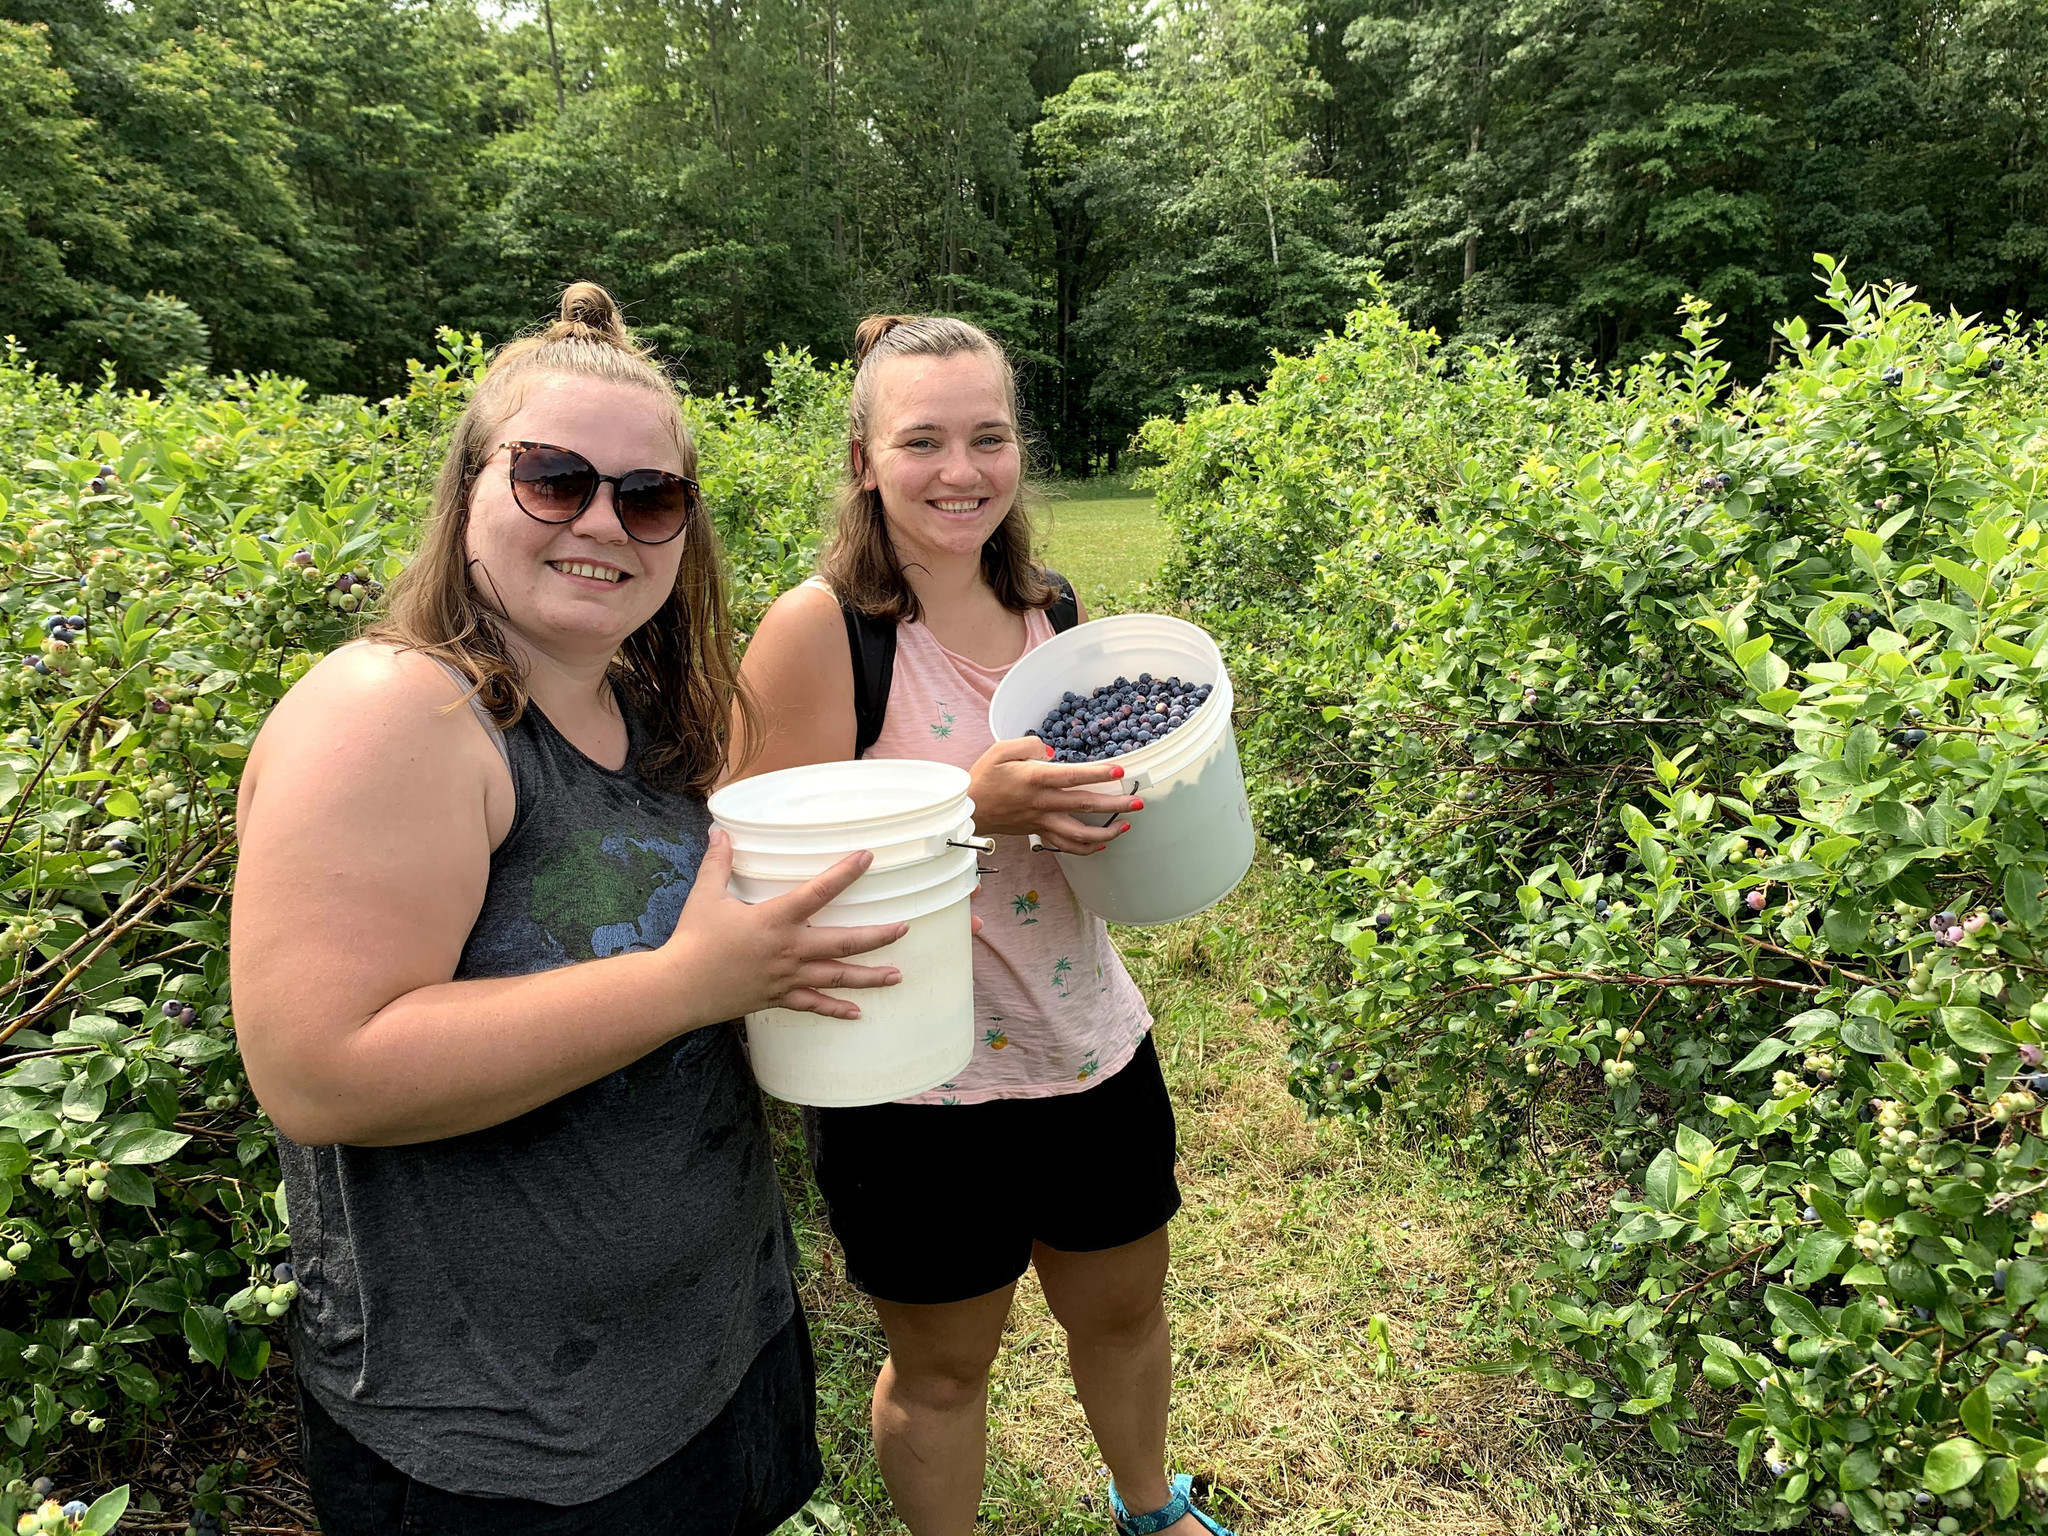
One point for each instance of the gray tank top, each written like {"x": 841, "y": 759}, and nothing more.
{"x": 551, "y": 1307}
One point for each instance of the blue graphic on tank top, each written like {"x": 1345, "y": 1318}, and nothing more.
{"x": 608, "y": 893}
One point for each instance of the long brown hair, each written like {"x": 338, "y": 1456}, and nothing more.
{"x": 677, "y": 669}
{"x": 859, "y": 560}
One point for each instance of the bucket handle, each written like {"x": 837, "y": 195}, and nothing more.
{"x": 1130, "y": 786}
{"x": 979, "y": 845}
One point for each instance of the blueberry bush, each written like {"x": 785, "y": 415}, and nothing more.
{"x": 1666, "y": 759}
{"x": 170, "y": 564}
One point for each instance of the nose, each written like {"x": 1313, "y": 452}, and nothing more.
{"x": 600, "y": 520}
{"x": 958, "y": 467}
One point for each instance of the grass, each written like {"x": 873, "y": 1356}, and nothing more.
{"x": 1102, "y": 535}
{"x": 1294, "y": 1235}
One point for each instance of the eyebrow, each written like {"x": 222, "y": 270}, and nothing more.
{"x": 933, "y": 426}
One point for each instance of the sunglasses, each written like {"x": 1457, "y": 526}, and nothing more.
{"x": 556, "y": 485}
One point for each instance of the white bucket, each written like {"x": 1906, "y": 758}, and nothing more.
{"x": 787, "y": 827}
{"x": 1193, "y": 841}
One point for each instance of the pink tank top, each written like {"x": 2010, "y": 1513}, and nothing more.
{"x": 1054, "y": 1007}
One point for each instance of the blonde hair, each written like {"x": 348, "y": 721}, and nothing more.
{"x": 859, "y": 560}
{"x": 678, "y": 668}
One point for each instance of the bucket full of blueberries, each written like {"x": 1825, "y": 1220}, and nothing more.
{"x": 1149, "y": 692}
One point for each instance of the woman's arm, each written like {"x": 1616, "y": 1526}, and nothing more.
{"x": 366, "y": 831}
{"x": 801, "y": 672}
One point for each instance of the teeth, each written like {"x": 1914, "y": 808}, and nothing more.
{"x": 594, "y": 572}
{"x": 958, "y": 506}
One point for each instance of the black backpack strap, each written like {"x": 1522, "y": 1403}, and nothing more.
{"x": 1064, "y": 611}
{"x": 872, "y": 641}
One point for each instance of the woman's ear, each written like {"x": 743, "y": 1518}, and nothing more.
{"x": 862, "y": 470}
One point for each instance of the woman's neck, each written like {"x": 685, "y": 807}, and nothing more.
{"x": 573, "y": 691}
{"x": 946, "y": 583}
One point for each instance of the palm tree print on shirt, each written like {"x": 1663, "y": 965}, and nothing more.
{"x": 1062, "y": 968}
{"x": 1088, "y": 1069}
{"x": 1023, "y": 906}
{"x": 943, "y": 726}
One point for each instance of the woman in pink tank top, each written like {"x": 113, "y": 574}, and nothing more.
{"x": 1054, "y": 1147}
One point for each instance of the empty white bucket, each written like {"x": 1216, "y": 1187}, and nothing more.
{"x": 1193, "y": 841}
{"x": 789, "y": 826}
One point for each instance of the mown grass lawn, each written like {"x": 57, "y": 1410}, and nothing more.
{"x": 1293, "y": 1235}
{"x": 1102, "y": 535}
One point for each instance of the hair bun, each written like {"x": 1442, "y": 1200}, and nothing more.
{"x": 589, "y": 311}
{"x": 871, "y": 330}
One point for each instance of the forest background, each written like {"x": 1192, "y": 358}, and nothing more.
{"x": 1139, "y": 197}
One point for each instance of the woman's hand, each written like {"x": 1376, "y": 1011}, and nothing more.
{"x": 1016, "y": 790}
{"x": 743, "y": 958}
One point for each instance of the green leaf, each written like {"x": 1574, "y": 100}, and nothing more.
{"x": 1817, "y": 1254}
{"x": 83, "y": 1100}
{"x": 2025, "y": 1280}
{"x": 206, "y": 1330}
{"x": 1952, "y": 1464}
{"x": 1763, "y": 1054}
{"x": 107, "y": 1510}
{"x": 248, "y": 1353}
{"x": 1795, "y": 1311}
{"x": 131, "y": 1186}
{"x": 1860, "y": 1468}
{"x": 2002, "y": 1486}
{"x": 1976, "y": 1414}
{"x": 2023, "y": 895}
{"x": 1975, "y": 1030}
{"x": 143, "y": 1144}
{"x": 1914, "y": 1283}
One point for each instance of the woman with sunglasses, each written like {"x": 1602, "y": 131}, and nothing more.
{"x": 484, "y": 968}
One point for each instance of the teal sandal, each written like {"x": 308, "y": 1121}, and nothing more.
{"x": 1182, "y": 1503}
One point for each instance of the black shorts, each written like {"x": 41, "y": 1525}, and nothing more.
{"x": 939, "y": 1202}
{"x": 743, "y": 1474}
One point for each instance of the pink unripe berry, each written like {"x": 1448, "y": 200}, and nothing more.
{"x": 1954, "y": 935}
{"x": 2030, "y": 1055}
{"x": 1756, "y": 901}
{"x": 1975, "y": 922}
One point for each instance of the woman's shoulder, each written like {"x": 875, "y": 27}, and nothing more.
{"x": 809, "y": 607}
{"x": 376, "y": 676}
{"x": 370, "y": 699}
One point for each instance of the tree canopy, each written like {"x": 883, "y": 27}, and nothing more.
{"x": 1139, "y": 199}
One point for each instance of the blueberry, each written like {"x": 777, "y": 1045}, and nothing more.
{"x": 1998, "y": 1282}
{"x": 1922, "y": 1313}
{"x": 1894, "y": 376}
{"x": 42, "y": 1488}
{"x": 1383, "y": 921}
{"x": 2038, "y": 1084}
{"x": 75, "y": 621}
{"x": 284, "y": 1273}
{"x": 172, "y": 1007}
{"x": 75, "y": 1510}
{"x": 1912, "y": 738}
{"x": 1942, "y": 921}
{"x": 36, "y": 742}
{"x": 1923, "y": 1497}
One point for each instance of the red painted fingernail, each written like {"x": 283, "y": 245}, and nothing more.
{"x": 1117, "y": 772}
{"x": 1048, "y": 752}
{"x": 1125, "y": 827}
{"x": 1137, "y": 804}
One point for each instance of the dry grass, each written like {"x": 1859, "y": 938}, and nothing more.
{"x": 1293, "y": 1235}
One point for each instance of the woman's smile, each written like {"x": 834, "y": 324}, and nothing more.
{"x": 590, "y": 571}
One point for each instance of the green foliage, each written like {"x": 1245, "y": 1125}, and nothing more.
{"x": 1669, "y": 757}
{"x": 169, "y": 566}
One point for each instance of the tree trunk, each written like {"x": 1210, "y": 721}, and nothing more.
{"x": 547, "y": 11}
